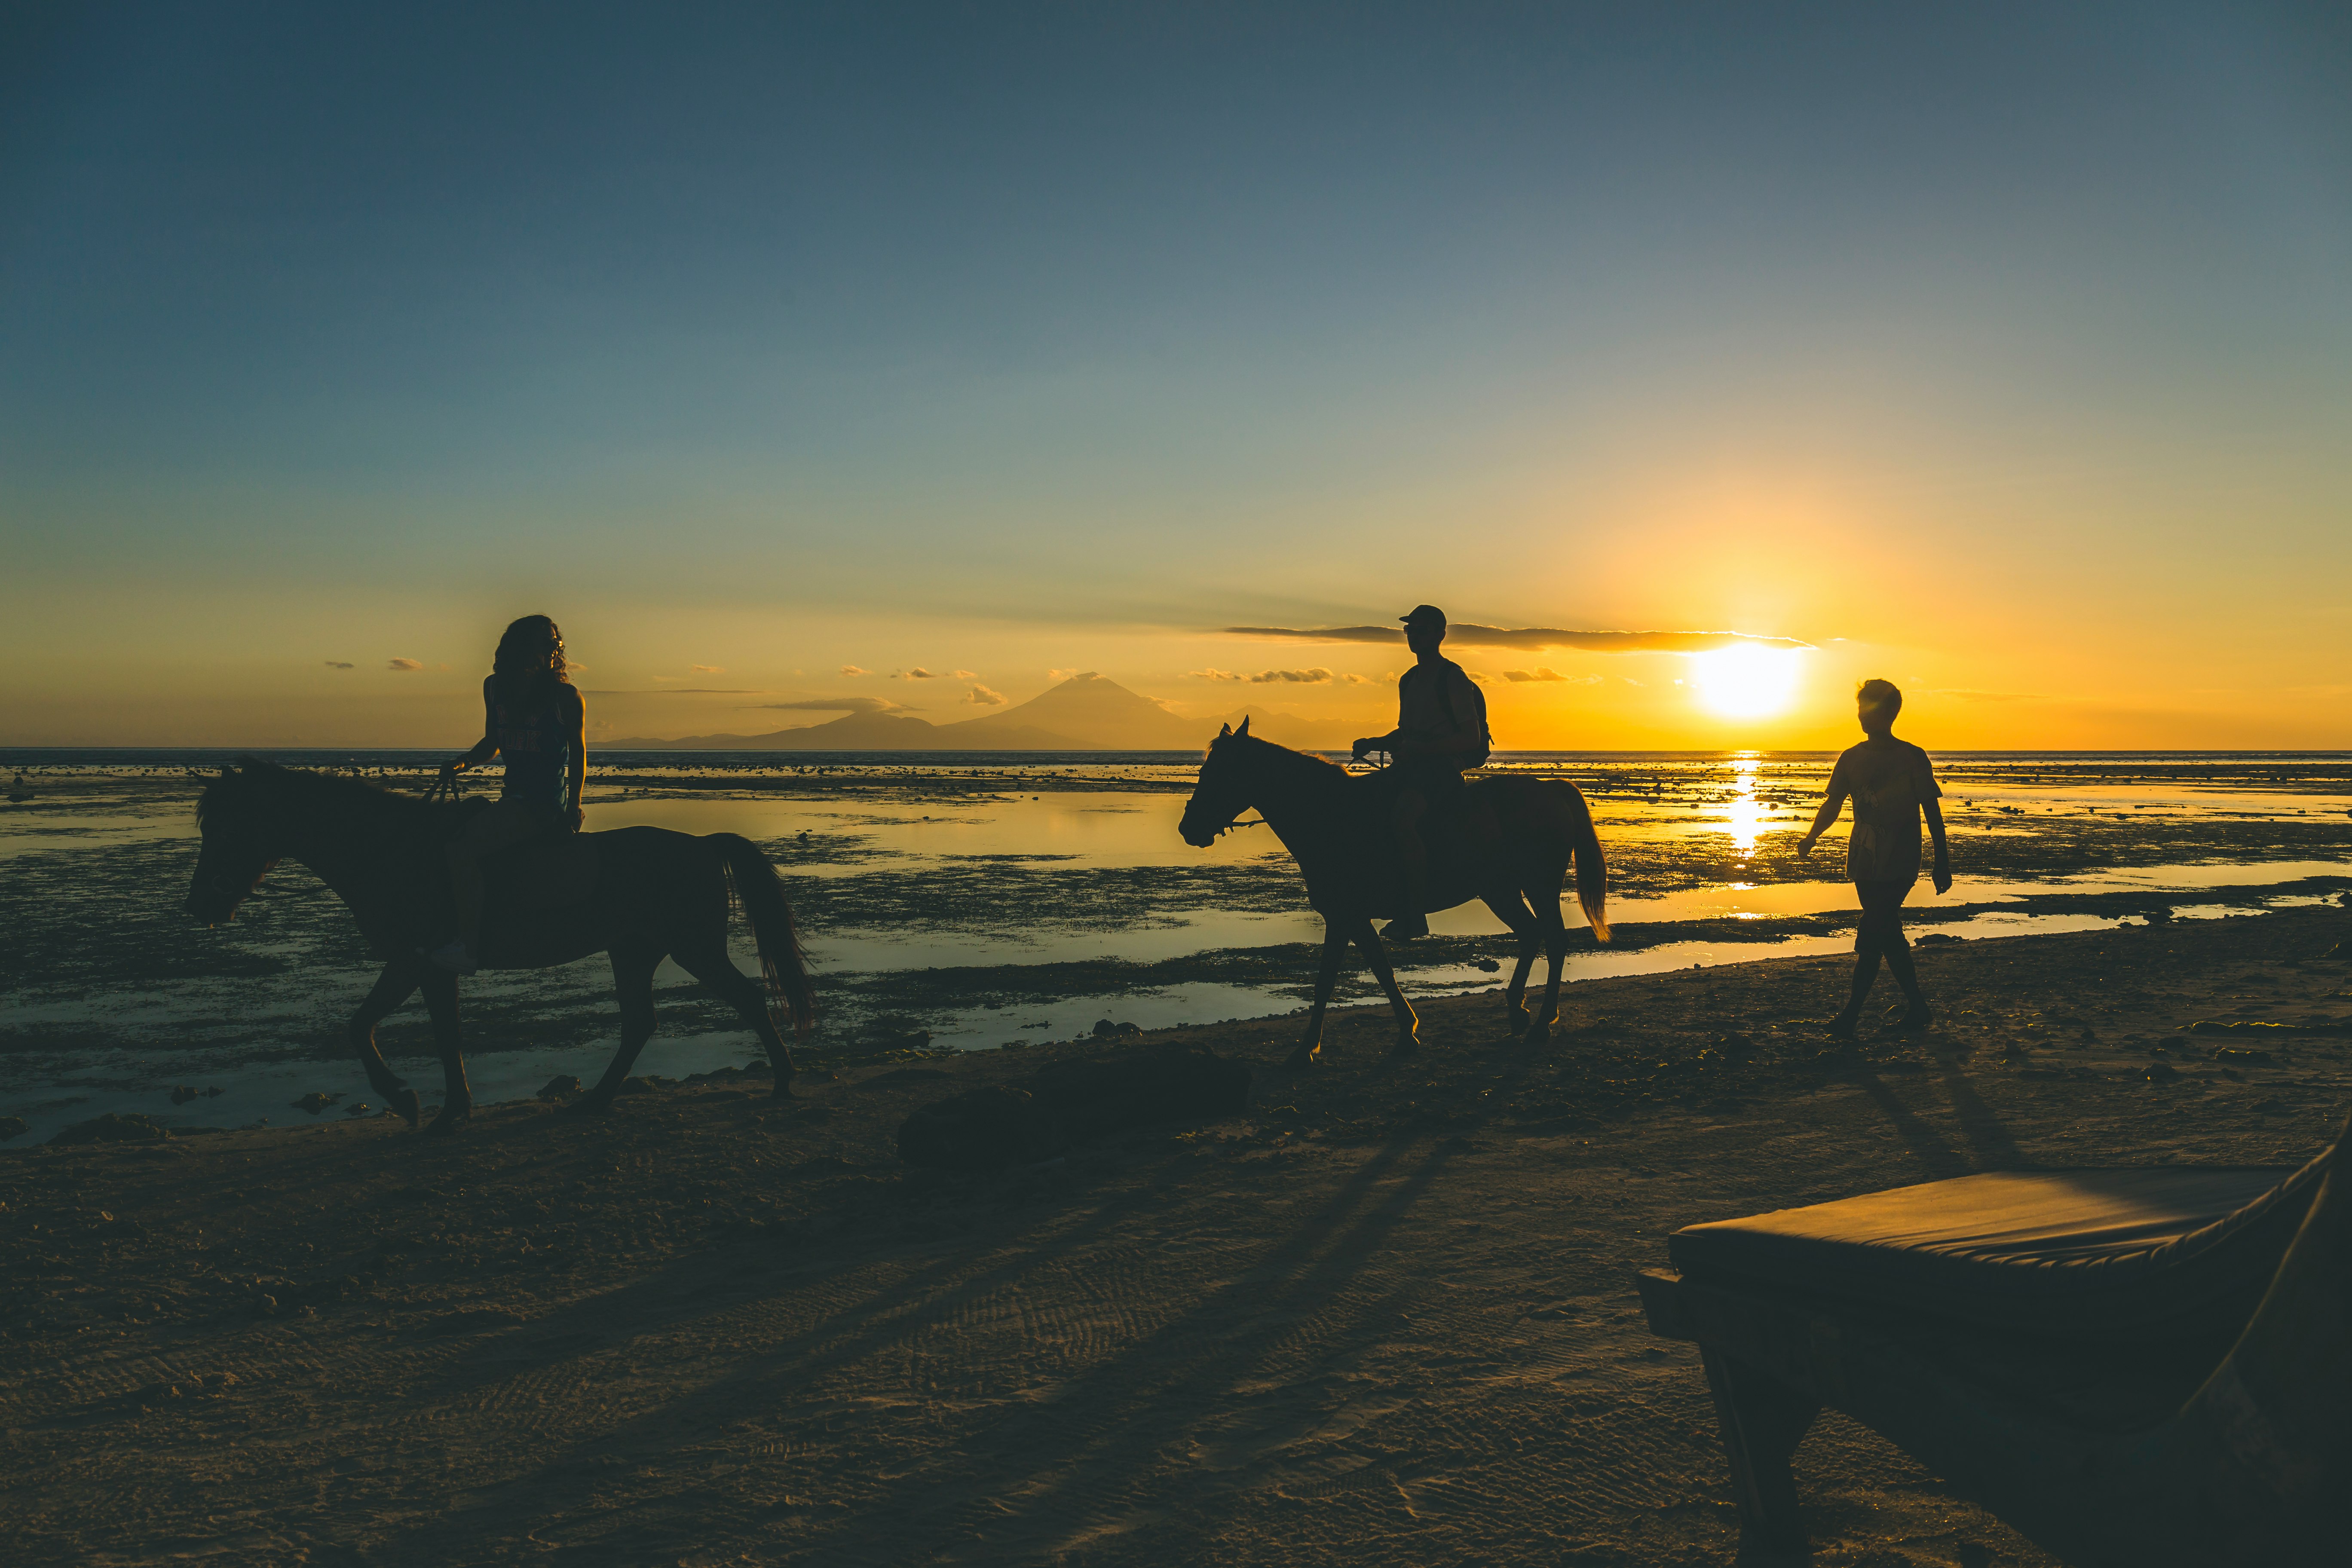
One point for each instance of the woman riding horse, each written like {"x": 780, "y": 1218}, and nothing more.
{"x": 532, "y": 715}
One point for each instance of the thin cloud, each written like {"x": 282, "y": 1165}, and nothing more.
{"x": 1531, "y": 639}
{"x": 851, "y": 669}
{"x": 1317, "y": 676}
{"x": 706, "y": 669}
{"x": 406, "y": 665}
{"x": 1360, "y": 681}
{"x": 1540, "y": 673}
{"x": 967, "y": 675}
{"x": 981, "y": 695}
{"x": 1965, "y": 694}
{"x": 837, "y": 705}
{"x": 1069, "y": 675}
{"x": 918, "y": 673}
{"x": 1215, "y": 674}
{"x": 339, "y": 664}
{"x": 681, "y": 691}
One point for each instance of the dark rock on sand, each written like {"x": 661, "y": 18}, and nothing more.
{"x": 112, "y": 1129}
{"x": 182, "y": 1094}
{"x": 1107, "y": 1030}
{"x": 2161, "y": 1072}
{"x": 13, "y": 1127}
{"x": 1066, "y": 1103}
{"x": 316, "y": 1101}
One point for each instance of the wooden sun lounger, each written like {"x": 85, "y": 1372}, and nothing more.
{"x": 2135, "y": 1369}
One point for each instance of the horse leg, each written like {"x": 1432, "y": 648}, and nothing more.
{"x": 711, "y": 966}
{"x": 1327, "y": 975}
{"x": 1513, "y": 911}
{"x": 1408, "y": 1038}
{"x": 1555, "y": 942}
{"x": 633, "y": 979}
{"x": 456, "y": 1095}
{"x": 394, "y": 986}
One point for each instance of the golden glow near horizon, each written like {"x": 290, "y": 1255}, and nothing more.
{"x": 1745, "y": 683}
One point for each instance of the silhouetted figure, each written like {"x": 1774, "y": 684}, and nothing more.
{"x": 1441, "y": 729}
{"x": 1892, "y": 782}
{"x": 532, "y": 715}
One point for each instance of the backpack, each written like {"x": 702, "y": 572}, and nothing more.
{"x": 1469, "y": 760}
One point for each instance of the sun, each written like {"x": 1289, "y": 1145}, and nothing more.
{"x": 1745, "y": 683}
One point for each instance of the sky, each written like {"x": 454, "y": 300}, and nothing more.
{"x": 2002, "y": 351}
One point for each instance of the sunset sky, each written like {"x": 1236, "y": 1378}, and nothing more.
{"x": 2005, "y": 352}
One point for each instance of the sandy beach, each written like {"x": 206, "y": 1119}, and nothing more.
{"x": 1385, "y": 1316}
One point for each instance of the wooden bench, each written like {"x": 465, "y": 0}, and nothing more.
{"x": 2141, "y": 1368}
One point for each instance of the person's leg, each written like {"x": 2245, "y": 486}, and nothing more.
{"x": 1866, "y": 950}
{"x": 502, "y": 825}
{"x": 1412, "y": 864}
{"x": 1897, "y": 949}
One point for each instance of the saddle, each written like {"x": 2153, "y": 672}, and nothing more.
{"x": 556, "y": 872}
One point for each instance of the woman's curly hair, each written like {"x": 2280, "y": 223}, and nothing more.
{"x": 530, "y": 663}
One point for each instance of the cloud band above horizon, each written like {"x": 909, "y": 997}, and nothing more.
{"x": 1532, "y": 638}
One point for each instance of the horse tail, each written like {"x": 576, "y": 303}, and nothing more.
{"x": 782, "y": 966}
{"x": 1592, "y": 874}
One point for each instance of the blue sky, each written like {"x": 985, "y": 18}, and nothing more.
{"x": 2007, "y": 344}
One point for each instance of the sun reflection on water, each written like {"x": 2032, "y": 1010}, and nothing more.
{"x": 1749, "y": 814}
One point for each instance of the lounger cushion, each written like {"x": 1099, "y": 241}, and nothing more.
{"x": 2140, "y": 1254}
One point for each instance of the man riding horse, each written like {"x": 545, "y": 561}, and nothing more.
{"x": 1441, "y": 729}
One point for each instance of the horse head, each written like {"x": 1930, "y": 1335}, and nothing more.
{"x": 1224, "y": 789}
{"x": 238, "y": 848}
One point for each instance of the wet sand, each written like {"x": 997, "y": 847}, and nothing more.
{"x": 1384, "y": 1317}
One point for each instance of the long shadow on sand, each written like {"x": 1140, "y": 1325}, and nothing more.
{"x": 1303, "y": 1275}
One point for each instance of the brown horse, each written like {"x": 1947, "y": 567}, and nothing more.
{"x": 654, "y": 894}
{"x": 1510, "y": 850}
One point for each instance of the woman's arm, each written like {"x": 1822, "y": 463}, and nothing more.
{"x": 576, "y": 773}
{"x": 483, "y": 750}
{"x": 1943, "y": 871}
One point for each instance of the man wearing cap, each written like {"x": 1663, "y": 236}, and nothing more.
{"x": 1441, "y": 729}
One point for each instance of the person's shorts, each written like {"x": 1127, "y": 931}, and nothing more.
{"x": 1438, "y": 784}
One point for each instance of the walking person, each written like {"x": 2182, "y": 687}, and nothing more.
{"x": 1892, "y": 783}
{"x": 534, "y": 717}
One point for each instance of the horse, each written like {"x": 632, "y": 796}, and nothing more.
{"x": 1511, "y": 850}
{"x": 654, "y": 894}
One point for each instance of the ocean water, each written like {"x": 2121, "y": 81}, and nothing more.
{"x": 963, "y": 900}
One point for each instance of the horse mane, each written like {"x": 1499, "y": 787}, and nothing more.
{"x": 308, "y": 792}
{"x": 1308, "y": 769}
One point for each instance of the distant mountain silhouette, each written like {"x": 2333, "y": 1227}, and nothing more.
{"x": 1083, "y": 714}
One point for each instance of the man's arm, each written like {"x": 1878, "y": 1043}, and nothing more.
{"x": 576, "y": 773}
{"x": 1943, "y": 869}
{"x": 1832, "y": 804}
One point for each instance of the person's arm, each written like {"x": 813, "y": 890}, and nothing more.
{"x": 1943, "y": 869}
{"x": 483, "y": 750}
{"x": 576, "y": 774}
{"x": 1833, "y": 803}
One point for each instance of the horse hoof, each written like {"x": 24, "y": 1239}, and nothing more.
{"x": 1303, "y": 1056}
{"x": 783, "y": 1090}
{"x": 446, "y": 1125}
{"x": 1407, "y": 1045}
{"x": 405, "y": 1101}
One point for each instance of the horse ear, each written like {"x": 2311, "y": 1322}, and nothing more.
{"x": 1244, "y": 728}
{"x": 1225, "y": 729}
